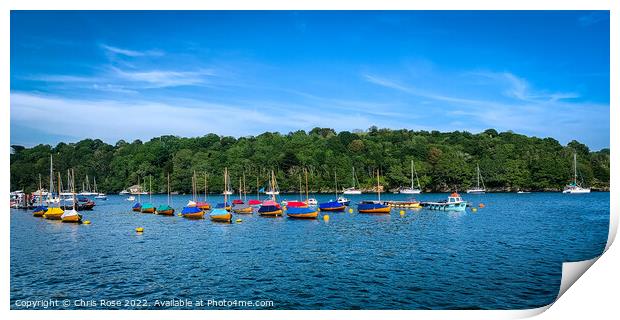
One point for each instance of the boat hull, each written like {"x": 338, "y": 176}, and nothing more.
{"x": 309, "y": 215}
{"x": 352, "y": 192}
{"x": 227, "y": 217}
{"x": 72, "y": 219}
{"x": 243, "y": 210}
{"x": 169, "y": 212}
{"x": 447, "y": 206}
{"x": 38, "y": 213}
{"x": 136, "y": 209}
{"x": 375, "y": 210}
{"x": 275, "y": 213}
{"x": 204, "y": 207}
{"x": 147, "y": 210}
{"x": 195, "y": 215}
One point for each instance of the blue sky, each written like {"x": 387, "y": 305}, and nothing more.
{"x": 137, "y": 75}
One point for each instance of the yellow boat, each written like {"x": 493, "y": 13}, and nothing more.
{"x": 302, "y": 213}
{"x": 194, "y": 215}
{"x": 220, "y": 215}
{"x": 71, "y": 216}
{"x": 53, "y": 213}
{"x": 246, "y": 209}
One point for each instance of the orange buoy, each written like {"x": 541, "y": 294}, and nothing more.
{"x": 481, "y": 205}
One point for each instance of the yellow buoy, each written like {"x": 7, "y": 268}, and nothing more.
{"x": 139, "y": 230}
{"x": 481, "y": 205}
{"x": 350, "y": 210}
{"x": 179, "y": 214}
{"x": 474, "y": 209}
{"x": 402, "y": 212}
{"x": 238, "y": 220}
{"x": 284, "y": 208}
{"x": 326, "y": 218}
{"x": 86, "y": 222}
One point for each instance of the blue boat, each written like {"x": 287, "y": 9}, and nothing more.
{"x": 136, "y": 206}
{"x": 332, "y": 206}
{"x": 372, "y": 207}
{"x": 192, "y": 213}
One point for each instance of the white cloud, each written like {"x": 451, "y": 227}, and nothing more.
{"x": 130, "y": 53}
{"x": 164, "y": 78}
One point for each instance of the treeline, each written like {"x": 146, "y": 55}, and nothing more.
{"x": 444, "y": 161}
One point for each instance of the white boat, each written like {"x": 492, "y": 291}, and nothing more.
{"x": 98, "y": 195}
{"x": 123, "y": 192}
{"x": 131, "y": 198}
{"x": 352, "y": 190}
{"x": 343, "y": 200}
{"x": 312, "y": 202}
{"x": 191, "y": 203}
{"x": 574, "y": 187}
{"x": 478, "y": 189}
{"x": 454, "y": 203}
{"x": 522, "y": 192}
{"x": 274, "y": 191}
{"x": 412, "y": 190}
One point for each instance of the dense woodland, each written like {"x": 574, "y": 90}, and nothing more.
{"x": 444, "y": 161}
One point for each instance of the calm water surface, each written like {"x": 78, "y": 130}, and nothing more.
{"x": 505, "y": 256}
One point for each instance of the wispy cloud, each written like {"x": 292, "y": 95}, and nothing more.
{"x": 593, "y": 18}
{"x": 130, "y": 53}
{"x": 165, "y": 78}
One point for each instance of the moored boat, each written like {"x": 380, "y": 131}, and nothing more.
{"x": 574, "y": 187}
{"x": 222, "y": 214}
{"x": 302, "y": 212}
{"x": 193, "y": 212}
{"x": 39, "y": 210}
{"x": 374, "y": 206}
{"x": 71, "y": 215}
{"x": 271, "y": 208}
{"x": 412, "y": 190}
{"x": 166, "y": 209}
{"x": 149, "y": 207}
{"x": 53, "y": 213}
{"x": 353, "y": 189}
{"x": 454, "y": 203}
{"x": 478, "y": 189}
{"x": 410, "y": 203}
{"x": 332, "y": 206}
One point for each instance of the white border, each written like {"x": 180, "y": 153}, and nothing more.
{"x": 599, "y": 291}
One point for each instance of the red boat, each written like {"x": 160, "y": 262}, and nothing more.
{"x": 238, "y": 201}
{"x": 254, "y": 202}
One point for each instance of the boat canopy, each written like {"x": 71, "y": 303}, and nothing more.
{"x": 148, "y": 206}
{"x": 296, "y": 204}
{"x": 188, "y": 210}
{"x": 222, "y": 205}
{"x": 331, "y": 204}
{"x": 268, "y": 208}
{"x": 299, "y": 210}
{"x": 218, "y": 212}
{"x": 370, "y": 206}
{"x": 164, "y": 207}
{"x": 137, "y": 205}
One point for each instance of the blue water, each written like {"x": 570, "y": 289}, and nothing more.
{"x": 505, "y": 256}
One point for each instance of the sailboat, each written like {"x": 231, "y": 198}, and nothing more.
{"x": 86, "y": 191}
{"x": 477, "y": 189}
{"x": 193, "y": 212}
{"x": 303, "y": 212}
{"x": 574, "y": 187}
{"x": 149, "y": 207}
{"x": 221, "y": 214}
{"x": 270, "y": 207}
{"x": 333, "y": 205}
{"x": 273, "y": 190}
{"x": 227, "y": 191}
{"x": 242, "y": 207}
{"x": 39, "y": 210}
{"x": 298, "y": 204}
{"x": 166, "y": 209}
{"x": 53, "y": 213}
{"x": 352, "y": 190}
{"x": 204, "y": 205}
{"x": 374, "y": 206}
{"x": 100, "y": 196}
{"x": 256, "y": 202}
{"x": 137, "y": 207}
{"x": 72, "y": 215}
{"x": 412, "y": 190}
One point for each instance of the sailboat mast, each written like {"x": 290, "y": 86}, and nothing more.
{"x": 273, "y": 186}
{"x": 225, "y": 186}
{"x": 72, "y": 186}
{"x": 240, "y": 196}
{"x": 151, "y": 189}
{"x": 168, "y": 188}
{"x": 51, "y": 193}
{"x": 336, "y": 183}
{"x": 306, "y": 173}
{"x": 58, "y": 188}
{"x": 40, "y": 191}
{"x": 245, "y": 192}
{"x": 411, "y": 174}
{"x": 575, "y": 163}
{"x": 378, "y": 190}
{"x": 205, "y": 187}
{"x": 478, "y": 175}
